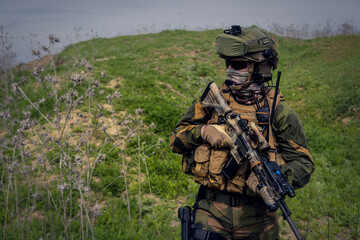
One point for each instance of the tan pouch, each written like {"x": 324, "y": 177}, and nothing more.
{"x": 217, "y": 181}
{"x": 217, "y": 160}
{"x": 202, "y": 160}
{"x": 236, "y": 185}
{"x": 188, "y": 163}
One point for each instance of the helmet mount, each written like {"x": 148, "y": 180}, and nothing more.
{"x": 234, "y": 30}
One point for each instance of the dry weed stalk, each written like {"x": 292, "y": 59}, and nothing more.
{"x": 53, "y": 163}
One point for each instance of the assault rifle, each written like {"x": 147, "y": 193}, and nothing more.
{"x": 271, "y": 184}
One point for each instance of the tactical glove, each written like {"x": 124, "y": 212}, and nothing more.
{"x": 216, "y": 136}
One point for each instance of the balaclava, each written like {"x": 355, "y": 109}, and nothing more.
{"x": 244, "y": 90}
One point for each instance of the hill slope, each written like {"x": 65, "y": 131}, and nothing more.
{"x": 100, "y": 166}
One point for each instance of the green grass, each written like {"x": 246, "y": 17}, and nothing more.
{"x": 163, "y": 73}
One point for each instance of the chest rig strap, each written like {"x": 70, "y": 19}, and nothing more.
{"x": 271, "y": 140}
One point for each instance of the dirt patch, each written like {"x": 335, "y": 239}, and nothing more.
{"x": 40, "y": 62}
{"x": 346, "y": 120}
{"x": 104, "y": 59}
{"x": 192, "y": 54}
{"x": 75, "y": 117}
{"x": 160, "y": 70}
{"x": 31, "y": 215}
{"x": 107, "y": 107}
{"x": 163, "y": 56}
{"x": 152, "y": 197}
{"x": 115, "y": 83}
{"x": 110, "y": 127}
{"x": 171, "y": 88}
{"x": 45, "y": 180}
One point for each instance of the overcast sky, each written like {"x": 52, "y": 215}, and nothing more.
{"x": 109, "y": 18}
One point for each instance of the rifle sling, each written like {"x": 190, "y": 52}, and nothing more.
{"x": 271, "y": 140}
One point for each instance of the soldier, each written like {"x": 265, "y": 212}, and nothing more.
{"x": 229, "y": 209}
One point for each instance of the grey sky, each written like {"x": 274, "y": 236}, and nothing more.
{"x": 109, "y": 18}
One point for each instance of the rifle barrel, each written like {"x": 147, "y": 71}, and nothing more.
{"x": 286, "y": 215}
{"x": 275, "y": 97}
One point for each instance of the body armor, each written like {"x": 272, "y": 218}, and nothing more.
{"x": 207, "y": 162}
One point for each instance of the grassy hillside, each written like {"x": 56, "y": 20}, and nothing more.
{"x": 85, "y": 149}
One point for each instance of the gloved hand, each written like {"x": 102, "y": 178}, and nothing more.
{"x": 216, "y": 136}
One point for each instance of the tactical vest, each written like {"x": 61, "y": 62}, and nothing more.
{"x": 206, "y": 162}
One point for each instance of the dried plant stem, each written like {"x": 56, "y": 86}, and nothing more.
{"x": 63, "y": 170}
{"x": 56, "y": 209}
{"x": 53, "y": 68}
{"x": 87, "y": 214}
{"x": 123, "y": 166}
{"x": 110, "y": 183}
{"x": 126, "y": 186}
{"x": 357, "y": 223}
{"x": 139, "y": 172}
{"x": 62, "y": 185}
{"x": 6, "y": 206}
{"x": 70, "y": 202}
{"x": 28, "y": 195}
{"x": 17, "y": 212}
{"x": 62, "y": 178}
{"x": 81, "y": 222}
{"x": 66, "y": 120}
{"x": 95, "y": 162}
{"x": 88, "y": 169}
{"x": 14, "y": 186}
{"x": 22, "y": 92}
{"x": 47, "y": 162}
{"x": 148, "y": 177}
{"x": 88, "y": 138}
{"x": 50, "y": 213}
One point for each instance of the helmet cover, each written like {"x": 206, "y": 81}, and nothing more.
{"x": 247, "y": 44}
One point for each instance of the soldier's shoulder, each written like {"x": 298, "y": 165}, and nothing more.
{"x": 283, "y": 110}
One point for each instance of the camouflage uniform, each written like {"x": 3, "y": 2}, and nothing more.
{"x": 244, "y": 216}
{"x": 239, "y": 213}
{"x": 248, "y": 220}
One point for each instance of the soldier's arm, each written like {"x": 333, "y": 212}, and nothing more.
{"x": 293, "y": 146}
{"x": 187, "y": 133}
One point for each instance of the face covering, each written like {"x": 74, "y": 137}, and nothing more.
{"x": 236, "y": 76}
{"x": 243, "y": 90}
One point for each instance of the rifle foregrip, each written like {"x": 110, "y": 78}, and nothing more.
{"x": 269, "y": 201}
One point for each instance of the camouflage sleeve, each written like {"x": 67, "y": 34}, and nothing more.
{"x": 293, "y": 146}
{"x": 187, "y": 135}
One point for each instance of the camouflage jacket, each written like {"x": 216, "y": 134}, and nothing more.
{"x": 287, "y": 130}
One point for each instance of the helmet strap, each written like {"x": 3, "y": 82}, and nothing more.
{"x": 251, "y": 71}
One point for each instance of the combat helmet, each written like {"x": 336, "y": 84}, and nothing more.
{"x": 250, "y": 44}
